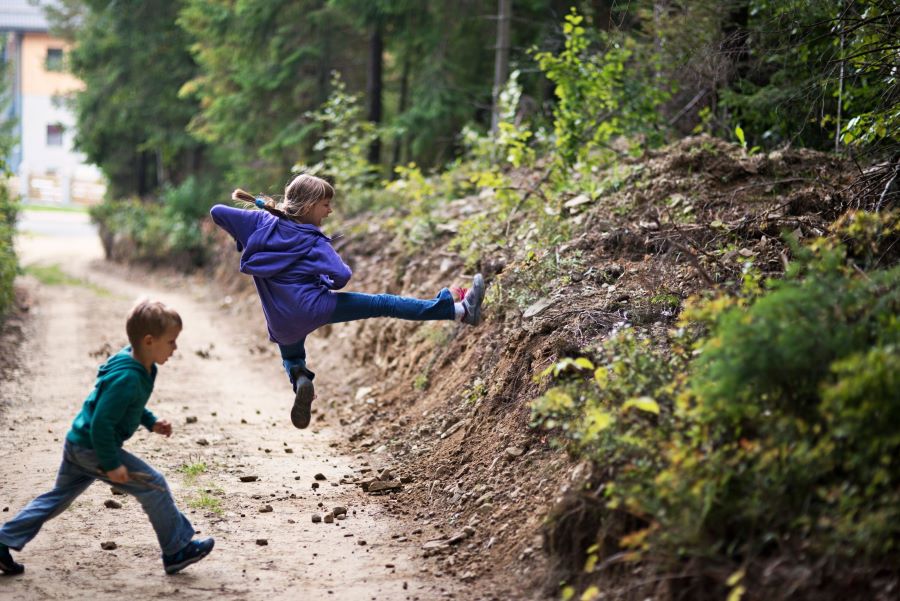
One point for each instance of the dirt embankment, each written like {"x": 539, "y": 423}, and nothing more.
{"x": 449, "y": 405}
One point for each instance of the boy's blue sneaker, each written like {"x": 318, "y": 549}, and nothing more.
{"x": 7, "y": 565}
{"x": 193, "y": 552}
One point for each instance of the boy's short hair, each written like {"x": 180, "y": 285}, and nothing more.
{"x": 150, "y": 317}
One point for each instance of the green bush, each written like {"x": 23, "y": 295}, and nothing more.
{"x": 165, "y": 232}
{"x": 8, "y": 262}
{"x": 767, "y": 422}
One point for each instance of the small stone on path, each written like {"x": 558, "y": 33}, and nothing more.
{"x": 112, "y": 504}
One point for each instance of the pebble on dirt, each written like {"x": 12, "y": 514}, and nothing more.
{"x": 262, "y": 542}
{"x": 339, "y": 510}
{"x": 249, "y": 478}
{"x": 329, "y": 519}
{"x": 320, "y": 477}
{"x": 112, "y": 504}
{"x": 266, "y": 509}
{"x": 316, "y": 518}
{"x": 191, "y": 419}
{"x": 108, "y": 545}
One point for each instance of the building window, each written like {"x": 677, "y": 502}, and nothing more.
{"x": 54, "y": 135}
{"x": 54, "y": 59}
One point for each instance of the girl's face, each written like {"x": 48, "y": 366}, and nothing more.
{"x": 319, "y": 212}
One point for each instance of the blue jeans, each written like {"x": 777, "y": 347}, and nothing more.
{"x": 352, "y": 306}
{"x": 79, "y": 469}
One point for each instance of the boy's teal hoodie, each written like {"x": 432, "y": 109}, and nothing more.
{"x": 115, "y": 408}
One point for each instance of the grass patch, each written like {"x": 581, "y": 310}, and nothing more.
{"x": 54, "y": 208}
{"x": 53, "y": 275}
{"x": 192, "y": 470}
{"x": 205, "y": 501}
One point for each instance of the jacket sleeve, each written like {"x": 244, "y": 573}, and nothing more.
{"x": 112, "y": 404}
{"x": 333, "y": 267}
{"x": 148, "y": 420}
{"x": 240, "y": 223}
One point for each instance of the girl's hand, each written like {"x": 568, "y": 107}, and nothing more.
{"x": 163, "y": 427}
{"x": 118, "y": 475}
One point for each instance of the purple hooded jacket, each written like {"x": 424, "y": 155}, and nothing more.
{"x": 293, "y": 266}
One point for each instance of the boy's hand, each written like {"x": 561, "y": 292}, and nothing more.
{"x": 163, "y": 427}
{"x": 118, "y": 475}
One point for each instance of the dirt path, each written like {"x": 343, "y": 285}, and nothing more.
{"x": 235, "y": 396}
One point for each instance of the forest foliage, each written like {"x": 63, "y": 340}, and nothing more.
{"x": 766, "y": 421}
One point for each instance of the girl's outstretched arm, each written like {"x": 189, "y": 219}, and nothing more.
{"x": 240, "y": 223}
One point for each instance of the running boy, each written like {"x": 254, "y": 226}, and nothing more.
{"x": 93, "y": 450}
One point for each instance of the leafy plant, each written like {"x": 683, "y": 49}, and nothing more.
{"x": 765, "y": 420}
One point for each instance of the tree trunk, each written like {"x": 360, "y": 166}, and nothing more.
{"x": 374, "y": 84}
{"x": 401, "y": 108}
{"x": 501, "y": 59}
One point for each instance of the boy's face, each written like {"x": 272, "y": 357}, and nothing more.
{"x": 319, "y": 212}
{"x": 160, "y": 348}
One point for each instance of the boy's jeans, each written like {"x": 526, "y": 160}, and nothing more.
{"x": 79, "y": 469}
{"x": 352, "y": 306}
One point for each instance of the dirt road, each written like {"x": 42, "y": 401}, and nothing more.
{"x": 228, "y": 399}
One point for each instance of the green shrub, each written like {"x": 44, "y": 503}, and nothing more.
{"x": 768, "y": 421}
{"x": 165, "y": 232}
{"x": 8, "y": 262}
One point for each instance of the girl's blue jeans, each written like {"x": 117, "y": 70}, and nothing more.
{"x": 352, "y": 306}
{"x": 79, "y": 469}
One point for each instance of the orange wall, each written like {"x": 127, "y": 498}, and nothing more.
{"x": 36, "y": 80}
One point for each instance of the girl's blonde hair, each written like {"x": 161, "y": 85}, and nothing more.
{"x": 299, "y": 197}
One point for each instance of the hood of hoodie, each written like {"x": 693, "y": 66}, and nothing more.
{"x": 273, "y": 248}
{"x": 121, "y": 362}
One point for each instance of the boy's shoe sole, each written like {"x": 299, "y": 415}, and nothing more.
{"x": 207, "y": 544}
{"x": 301, "y": 412}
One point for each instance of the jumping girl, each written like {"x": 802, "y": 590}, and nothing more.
{"x": 296, "y": 272}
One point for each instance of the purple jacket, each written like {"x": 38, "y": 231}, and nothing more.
{"x": 293, "y": 266}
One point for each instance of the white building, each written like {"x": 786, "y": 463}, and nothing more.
{"x": 45, "y": 166}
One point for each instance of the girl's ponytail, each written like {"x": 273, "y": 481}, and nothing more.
{"x": 263, "y": 202}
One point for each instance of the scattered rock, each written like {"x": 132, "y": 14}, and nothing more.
{"x": 316, "y": 518}
{"x": 320, "y": 477}
{"x": 266, "y": 509}
{"x": 406, "y": 479}
{"x": 108, "y": 545}
{"x": 361, "y": 543}
{"x": 329, "y": 518}
{"x": 315, "y": 485}
{"x": 537, "y": 308}
{"x": 262, "y": 542}
{"x": 382, "y": 486}
{"x": 202, "y": 442}
{"x": 339, "y": 510}
{"x": 191, "y": 419}
{"x": 513, "y": 452}
{"x": 249, "y": 478}
{"x": 112, "y": 504}
{"x": 289, "y": 450}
